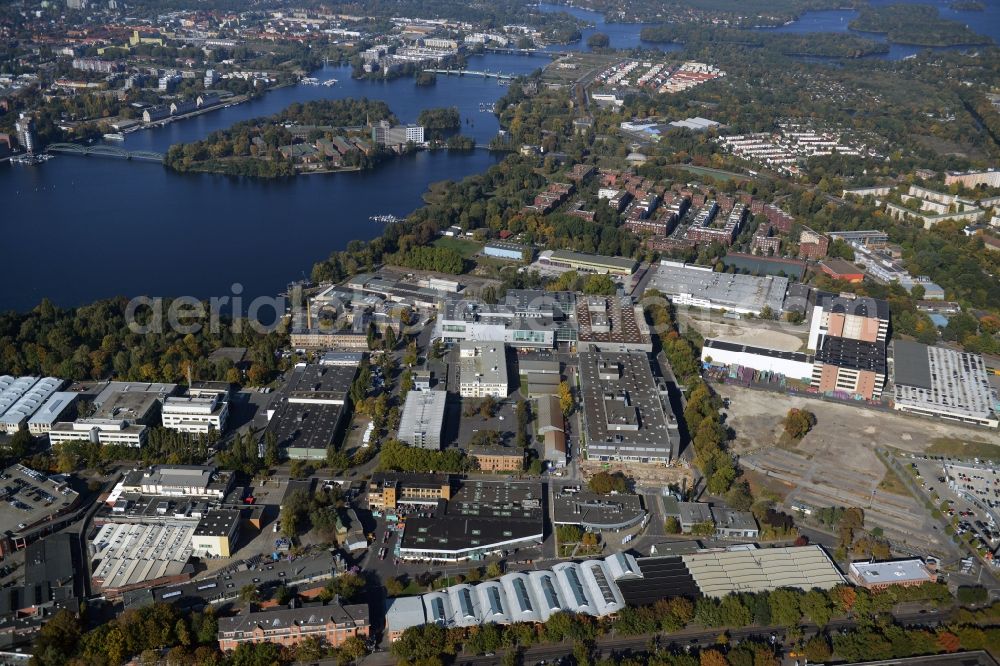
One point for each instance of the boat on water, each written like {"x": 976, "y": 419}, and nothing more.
{"x": 386, "y": 219}
{"x": 30, "y": 159}
{"x": 114, "y": 136}
{"x": 309, "y": 81}
{"x": 330, "y": 82}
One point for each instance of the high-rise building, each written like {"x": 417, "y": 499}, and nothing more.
{"x": 25, "y": 126}
{"x": 211, "y": 78}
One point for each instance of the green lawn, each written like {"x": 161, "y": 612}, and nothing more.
{"x": 960, "y": 448}
{"x": 466, "y": 248}
{"x": 718, "y": 174}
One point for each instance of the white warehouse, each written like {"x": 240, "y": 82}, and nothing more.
{"x": 795, "y": 365}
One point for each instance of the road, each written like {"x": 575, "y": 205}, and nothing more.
{"x": 688, "y": 638}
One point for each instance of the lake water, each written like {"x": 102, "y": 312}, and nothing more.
{"x": 77, "y": 229}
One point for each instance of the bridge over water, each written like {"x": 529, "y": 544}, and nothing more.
{"x": 500, "y": 76}
{"x": 102, "y": 150}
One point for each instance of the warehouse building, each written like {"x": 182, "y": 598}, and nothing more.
{"x": 587, "y": 587}
{"x": 423, "y": 419}
{"x": 718, "y": 573}
{"x": 795, "y": 365}
{"x": 699, "y": 286}
{"x": 941, "y": 382}
{"x": 309, "y": 414}
{"x": 128, "y": 556}
{"x": 59, "y": 406}
{"x": 507, "y": 250}
{"x": 552, "y": 427}
{"x": 479, "y": 518}
{"x": 624, "y": 410}
{"x": 16, "y": 416}
{"x": 596, "y": 513}
{"x": 591, "y": 263}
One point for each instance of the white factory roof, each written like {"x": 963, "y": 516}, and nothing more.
{"x": 53, "y": 407}
{"x": 12, "y": 389}
{"x": 900, "y": 571}
{"x": 719, "y": 573}
{"x": 132, "y": 553}
{"x": 29, "y": 402}
{"x": 580, "y": 587}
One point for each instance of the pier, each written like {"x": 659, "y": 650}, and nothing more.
{"x": 104, "y": 151}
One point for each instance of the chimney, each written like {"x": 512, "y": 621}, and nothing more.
{"x": 309, "y": 324}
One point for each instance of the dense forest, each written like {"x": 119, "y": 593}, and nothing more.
{"x": 95, "y": 342}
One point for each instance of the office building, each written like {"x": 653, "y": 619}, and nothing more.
{"x": 331, "y": 624}
{"x": 423, "y": 419}
{"x": 612, "y": 323}
{"x": 699, "y": 286}
{"x": 941, "y": 382}
{"x": 794, "y": 365}
{"x": 310, "y": 412}
{"x": 497, "y": 458}
{"x": 731, "y": 524}
{"x": 201, "y": 413}
{"x": 121, "y": 413}
{"x": 482, "y": 370}
{"x": 880, "y": 575}
{"x": 848, "y": 316}
{"x": 211, "y": 78}
{"x": 624, "y": 412}
{"x": 387, "y": 490}
{"x": 385, "y": 134}
{"x": 850, "y": 368}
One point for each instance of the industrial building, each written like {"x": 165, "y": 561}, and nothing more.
{"x": 613, "y": 323}
{"x": 331, "y": 624}
{"x": 699, "y": 286}
{"x": 507, "y": 250}
{"x": 59, "y": 406}
{"x": 423, "y": 419}
{"x": 551, "y": 426}
{"x": 309, "y": 414}
{"x": 385, "y": 134}
{"x": 941, "y": 382}
{"x": 592, "y": 263}
{"x": 497, "y": 458}
{"x": 482, "y": 370}
{"x": 17, "y": 406}
{"x": 596, "y": 513}
{"x": 185, "y": 481}
{"x": 587, "y": 587}
{"x": 127, "y": 556}
{"x": 624, "y": 413}
{"x": 216, "y": 533}
{"x": 479, "y": 518}
{"x": 880, "y": 575}
{"x": 794, "y": 365}
{"x": 475, "y": 322}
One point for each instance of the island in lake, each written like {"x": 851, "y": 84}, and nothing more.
{"x": 321, "y": 136}
{"x": 919, "y": 25}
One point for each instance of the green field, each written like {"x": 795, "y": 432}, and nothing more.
{"x": 959, "y": 448}
{"x": 466, "y": 248}
{"x": 718, "y": 174}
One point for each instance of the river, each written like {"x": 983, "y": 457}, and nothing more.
{"x": 77, "y": 229}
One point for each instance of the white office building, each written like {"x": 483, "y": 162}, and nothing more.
{"x": 198, "y": 414}
{"x": 423, "y": 418}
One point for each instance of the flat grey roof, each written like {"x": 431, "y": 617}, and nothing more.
{"x": 722, "y": 289}
{"x": 713, "y": 343}
{"x": 911, "y": 365}
{"x": 899, "y": 571}
{"x": 423, "y": 412}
